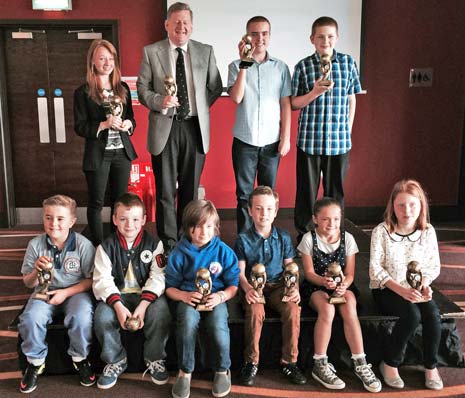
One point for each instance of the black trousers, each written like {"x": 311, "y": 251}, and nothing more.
{"x": 114, "y": 170}
{"x": 308, "y": 174}
{"x": 410, "y": 316}
{"x": 181, "y": 162}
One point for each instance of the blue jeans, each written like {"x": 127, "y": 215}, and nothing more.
{"x": 114, "y": 169}
{"x": 216, "y": 324}
{"x": 78, "y": 311}
{"x": 249, "y": 162}
{"x": 156, "y": 329}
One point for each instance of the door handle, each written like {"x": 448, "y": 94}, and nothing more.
{"x": 42, "y": 112}
{"x": 59, "y": 108}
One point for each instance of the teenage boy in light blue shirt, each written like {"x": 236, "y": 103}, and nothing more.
{"x": 263, "y": 116}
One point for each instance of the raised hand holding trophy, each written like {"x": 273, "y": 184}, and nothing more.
{"x": 45, "y": 277}
{"x": 335, "y": 273}
{"x": 258, "y": 280}
{"x": 203, "y": 283}
{"x": 246, "y": 53}
{"x": 414, "y": 278}
{"x": 291, "y": 280}
{"x": 325, "y": 69}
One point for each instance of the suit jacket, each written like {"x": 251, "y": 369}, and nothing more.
{"x": 87, "y": 117}
{"x": 150, "y": 87}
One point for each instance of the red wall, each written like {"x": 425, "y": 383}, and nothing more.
{"x": 398, "y": 132}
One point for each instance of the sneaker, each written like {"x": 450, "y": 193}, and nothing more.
{"x": 293, "y": 373}
{"x": 363, "y": 371}
{"x": 86, "y": 374}
{"x": 181, "y": 387}
{"x": 325, "y": 373}
{"x": 110, "y": 374}
{"x": 248, "y": 373}
{"x": 158, "y": 372}
{"x": 29, "y": 381}
{"x": 221, "y": 384}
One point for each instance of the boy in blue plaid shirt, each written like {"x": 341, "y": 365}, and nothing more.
{"x": 327, "y": 110}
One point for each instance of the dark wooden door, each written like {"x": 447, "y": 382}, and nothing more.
{"x": 42, "y": 74}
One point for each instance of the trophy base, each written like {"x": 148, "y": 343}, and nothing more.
{"x": 203, "y": 307}
{"x": 41, "y": 296}
{"x": 245, "y": 64}
{"x": 337, "y": 300}
{"x": 422, "y": 300}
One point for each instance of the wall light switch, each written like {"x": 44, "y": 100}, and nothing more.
{"x": 421, "y": 77}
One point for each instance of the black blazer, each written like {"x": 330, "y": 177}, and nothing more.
{"x": 87, "y": 117}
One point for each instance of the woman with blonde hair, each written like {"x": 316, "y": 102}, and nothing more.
{"x": 103, "y": 115}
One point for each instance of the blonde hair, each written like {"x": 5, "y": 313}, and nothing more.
{"x": 198, "y": 212}
{"x": 93, "y": 83}
{"x": 61, "y": 200}
{"x": 411, "y": 187}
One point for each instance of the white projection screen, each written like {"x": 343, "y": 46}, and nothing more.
{"x": 221, "y": 23}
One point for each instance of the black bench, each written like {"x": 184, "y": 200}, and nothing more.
{"x": 375, "y": 328}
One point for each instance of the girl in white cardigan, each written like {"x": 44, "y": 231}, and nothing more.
{"x": 404, "y": 236}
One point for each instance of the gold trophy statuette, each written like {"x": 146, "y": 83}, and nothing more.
{"x": 335, "y": 273}
{"x": 247, "y": 51}
{"x": 258, "y": 280}
{"x": 203, "y": 282}
{"x": 45, "y": 277}
{"x": 132, "y": 324}
{"x": 291, "y": 280}
{"x": 414, "y": 277}
{"x": 170, "y": 86}
{"x": 113, "y": 105}
{"x": 325, "y": 69}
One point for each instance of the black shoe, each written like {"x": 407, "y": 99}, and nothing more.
{"x": 248, "y": 373}
{"x": 86, "y": 374}
{"x": 293, "y": 373}
{"x": 29, "y": 381}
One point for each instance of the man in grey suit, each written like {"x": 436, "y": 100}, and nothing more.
{"x": 179, "y": 124}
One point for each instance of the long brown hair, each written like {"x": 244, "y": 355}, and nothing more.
{"x": 198, "y": 212}
{"x": 412, "y": 187}
{"x": 93, "y": 83}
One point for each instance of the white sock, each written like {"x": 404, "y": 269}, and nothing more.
{"x": 319, "y": 356}
{"x": 77, "y": 359}
{"x": 358, "y": 356}
{"x": 36, "y": 361}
